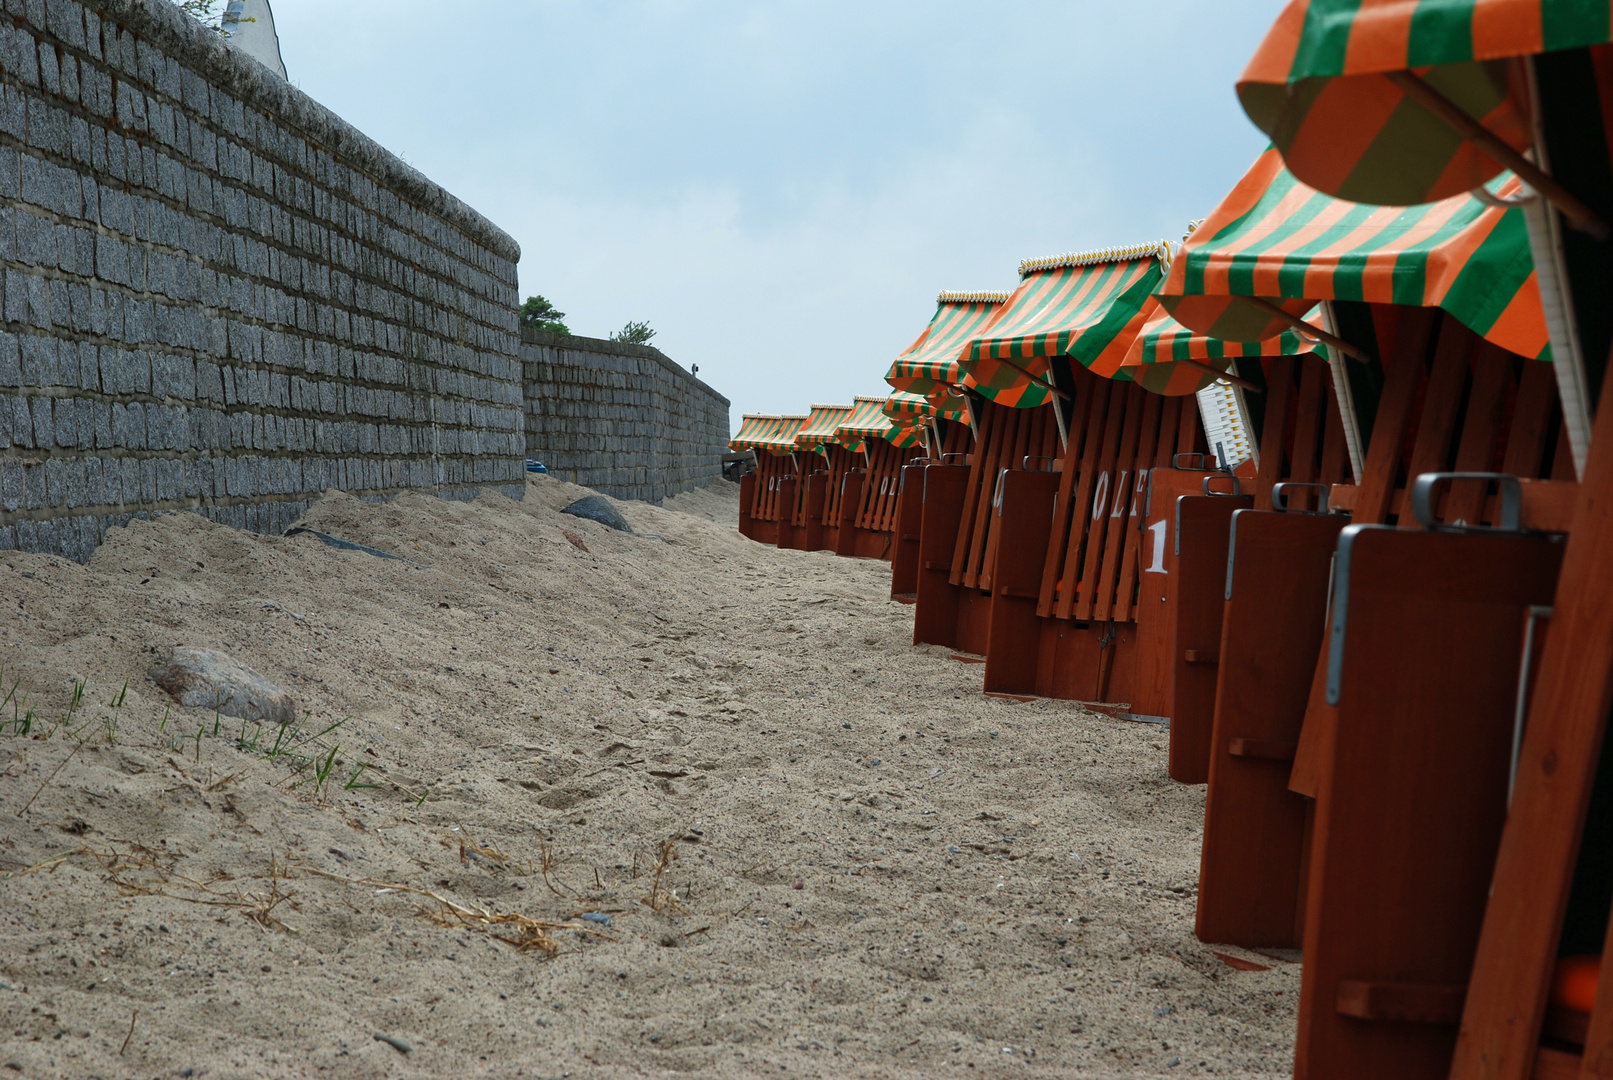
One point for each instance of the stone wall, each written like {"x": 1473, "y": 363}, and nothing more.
{"x": 218, "y": 296}
{"x": 620, "y": 418}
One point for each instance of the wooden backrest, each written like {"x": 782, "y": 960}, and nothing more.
{"x": 1118, "y": 432}
{"x": 1006, "y": 437}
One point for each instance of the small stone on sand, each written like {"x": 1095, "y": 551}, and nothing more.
{"x": 209, "y": 679}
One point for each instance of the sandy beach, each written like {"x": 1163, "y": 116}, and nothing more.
{"x": 803, "y": 846}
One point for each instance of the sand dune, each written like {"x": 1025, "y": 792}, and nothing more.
{"x": 874, "y": 870}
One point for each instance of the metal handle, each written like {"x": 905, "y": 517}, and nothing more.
{"x": 1237, "y": 488}
{"x": 1279, "y": 496}
{"x": 997, "y": 496}
{"x": 1422, "y": 498}
{"x": 962, "y": 458}
{"x": 1026, "y": 464}
{"x": 1176, "y": 461}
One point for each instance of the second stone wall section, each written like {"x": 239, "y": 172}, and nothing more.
{"x": 620, "y": 418}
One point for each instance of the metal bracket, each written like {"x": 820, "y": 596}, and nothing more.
{"x": 1422, "y": 500}
{"x": 1279, "y": 497}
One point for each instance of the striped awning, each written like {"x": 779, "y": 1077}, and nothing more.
{"x": 915, "y": 408}
{"x": 1167, "y": 358}
{"x": 867, "y": 420}
{"x": 1330, "y": 86}
{"x": 1086, "y": 305}
{"x": 821, "y": 425}
{"x": 1279, "y": 240}
{"x": 903, "y": 437}
{"x": 931, "y": 362}
{"x": 773, "y": 433}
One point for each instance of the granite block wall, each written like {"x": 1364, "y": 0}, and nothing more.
{"x": 216, "y": 295}
{"x": 620, "y": 418}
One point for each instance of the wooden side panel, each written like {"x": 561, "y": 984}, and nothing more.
{"x": 909, "y": 518}
{"x": 1024, "y": 519}
{"x": 935, "y": 611}
{"x": 1202, "y": 526}
{"x": 1254, "y": 827}
{"x": 1411, "y": 807}
{"x": 851, "y": 490}
{"x": 1156, "y": 623}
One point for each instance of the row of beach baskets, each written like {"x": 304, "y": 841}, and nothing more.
{"x": 1326, "y": 488}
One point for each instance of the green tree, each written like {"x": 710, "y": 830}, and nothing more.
{"x": 634, "y": 333}
{"x": 538, "y": 314}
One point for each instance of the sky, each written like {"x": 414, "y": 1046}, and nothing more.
{"x": 781, "y": 189}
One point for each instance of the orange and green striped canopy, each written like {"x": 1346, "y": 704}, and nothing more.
{"x": 821, "y": 425}
{"x": 931, "y": 362}
{"x": 1084, "y": 305}
{"x": 1282, "y": 241}
{"x": 904, "y": 408}
{"x": 1319, "y": 87}
{"x": 903, "y": 437}
{"x": 772, "y": 433}
{"x": 1154, "y": 359}
{"x": 867, "y": 420}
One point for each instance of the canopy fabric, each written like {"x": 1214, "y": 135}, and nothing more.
{"x": 1154, "y": 358}
{"x": 867, "y": 420}
{"x": 772, "y": 433}
{"x": 931, "y": 362}
{"x": 904, "y": 408}
{"x": 904, "y": 437}
{"x": 821, "y": 425}
{"x": 1320, "y": 87}
{"x": 1080, "y": 304}
{"x": 1280, "y": 240}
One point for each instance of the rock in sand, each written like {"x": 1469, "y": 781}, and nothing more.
{"x": 597, "y": 508}
{"x": 209, "y": 679}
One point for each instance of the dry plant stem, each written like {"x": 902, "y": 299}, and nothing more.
{"x": 132, "y": 1018}
{"x": 548, "y": 863}
{"x": 50, "y": 863}
{"x": 534, "y": 932}
{"x": 48, "y": 779}
{"x": 660, "y": 898}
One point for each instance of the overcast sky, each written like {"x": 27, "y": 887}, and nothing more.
{"x": 780, "y": 189}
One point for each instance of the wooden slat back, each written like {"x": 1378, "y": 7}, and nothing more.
{"x": 998, "y": 448}
{"x": 1125, "y": 433}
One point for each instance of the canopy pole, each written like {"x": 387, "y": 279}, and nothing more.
{"x": 1037, "y": 379}
{"x": 1309, "y": 329}
{"x": 1573, "y": 208}
{"x": 1344, "y": 394}
{"x": 1235, "y": 380}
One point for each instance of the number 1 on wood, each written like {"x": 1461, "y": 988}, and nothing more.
{"x": 1158, "y": 531}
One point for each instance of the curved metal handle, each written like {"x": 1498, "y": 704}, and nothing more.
{"x": 961, "y": 457}
{"x": 997, "y": 495}
{"x": 1422, "y": 498}
{"x": 1026, "y": 464}
{"x": 1279, "y": 496}
{"x": 1237, "y": 488}
{"x": 1176, "y": 461}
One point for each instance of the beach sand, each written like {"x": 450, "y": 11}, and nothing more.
{"x": 822, "y": 851}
